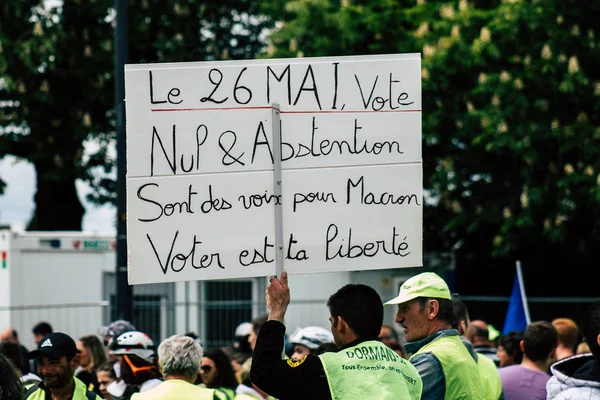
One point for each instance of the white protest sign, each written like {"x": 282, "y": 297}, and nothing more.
{"x": 200, "y": 186}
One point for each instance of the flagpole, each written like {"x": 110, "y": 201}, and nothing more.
{"x": 522, "y": 289}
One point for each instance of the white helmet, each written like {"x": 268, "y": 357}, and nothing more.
{"x": 312, "y": 337}
{"x": 243, "y": 329}
{"x": 134, "y": 342}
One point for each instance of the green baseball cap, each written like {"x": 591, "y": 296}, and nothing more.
{"x": 426, "y": 284}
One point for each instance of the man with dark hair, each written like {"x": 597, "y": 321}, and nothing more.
{"x": 509, "y": 349}
{"x": 11, "y": 335}
{"x": 426, "y": 312}
{"x": 487, "y": 369}
{"x": 479, "y": 334}
{"x": 57, "y": 360}
{"x": 578, "y": 377}
{"x": 528, "y": 380}
{"x": 40, "y": 331}
{"x": 362, "y": 368}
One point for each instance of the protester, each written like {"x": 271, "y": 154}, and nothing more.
{"x": 105, "y": 374}
{"x": 218, "y": 374}
{"x": 246, "y": 389}
{"x": 10, "y": 386}
{"x": 426, "y": 312}
{"x": 241, "y": 344}
{"x": 479, "y": 334}
{"x": 307, "y": 340}
{"x": 509, "y": 349}
{"x": 92, "y": 354}
{"x": 362, "y": 368}
{"x": 12, "y": 353}
{"x": 578, "y": 377}
{"x": 487, "y": 369}
{"x": 527, "y": 381}
{"x": 568, "y": 337}
{"x": 179, "y": 357}
{"x": 40, "y": 331}
{"x": 57, "y": 360}
{"x": 137, "y": 363}
{"x": 389, "y": 337}
{"x": 11, "y": 335}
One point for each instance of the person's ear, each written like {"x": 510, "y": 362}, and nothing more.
{"x": 462, "y": 328}
{"x": 75, "y": 361}
{"x": 336, "y": 321}
{"x": 432, "y": 308}
{"x": 342, "y": 326}
{"x": 522, "y": 346}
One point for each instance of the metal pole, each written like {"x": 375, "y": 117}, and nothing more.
{"x": 277, "y": 189}
{"x": 124, "y": 291}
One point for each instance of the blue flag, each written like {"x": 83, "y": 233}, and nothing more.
{"x": 517, "y": 315}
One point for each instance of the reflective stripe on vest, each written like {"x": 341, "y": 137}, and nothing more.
{"x": 461, "y": 374}
{"x": 489, "y": 377}
{"x": 370, "y": 370}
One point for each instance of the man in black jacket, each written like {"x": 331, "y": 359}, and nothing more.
{"x": 363, "y": 367}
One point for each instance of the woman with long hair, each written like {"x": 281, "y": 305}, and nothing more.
{"x": 92, "y": 355}
{"x": 10, "y": 384}
{"x": 217, "y": 373}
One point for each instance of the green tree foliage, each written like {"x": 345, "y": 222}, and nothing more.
{"x": 511, "y": 137}
{"x": 56, "y": 83}
{"x": 56, "y": 93}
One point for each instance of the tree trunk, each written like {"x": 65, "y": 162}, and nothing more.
{"x": 57, "y": 205}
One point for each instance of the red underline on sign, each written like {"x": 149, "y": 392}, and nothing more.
{"x": 212, "y": 109}
{"x": 283, "y": 112}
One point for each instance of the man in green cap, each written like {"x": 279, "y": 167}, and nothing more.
{"x": 426, "y": 312}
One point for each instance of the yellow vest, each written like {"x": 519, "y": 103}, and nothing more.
{"x": 461, "y": 374}
{"x": 370, "y": 370}
{"x": 227, "y": 393}
{"x": 176, "y": 389}
{"x": 78, "y": 394}
{"x": 489, "y": 377}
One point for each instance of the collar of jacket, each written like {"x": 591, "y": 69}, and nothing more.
{"x": 413, "y": 347}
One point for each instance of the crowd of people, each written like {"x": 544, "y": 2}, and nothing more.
{"x": 442, "y": 354}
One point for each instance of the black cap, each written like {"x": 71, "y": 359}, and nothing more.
{"x": 55, "y": 345}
